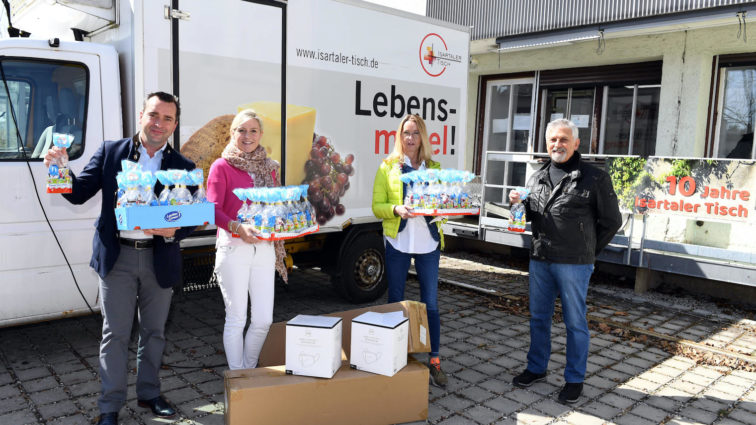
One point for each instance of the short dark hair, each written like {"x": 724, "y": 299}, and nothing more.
{"x": 164, "y": 97}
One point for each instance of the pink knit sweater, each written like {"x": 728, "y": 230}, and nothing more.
{"x": 222, "y": 179}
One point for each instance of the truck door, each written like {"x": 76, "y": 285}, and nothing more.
{"x": 45, "y": 91}
{"x": 224, "y": 56}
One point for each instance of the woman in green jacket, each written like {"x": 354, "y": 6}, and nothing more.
{"x": 409, "y": 236}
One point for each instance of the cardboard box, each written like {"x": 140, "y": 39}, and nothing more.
{"x": 267, "y": 395}
{"x": 156, "y": 217}
{"x": 379, "y": 342}
{"x": 273, "y": 351}
{"x": 313, "y": 346}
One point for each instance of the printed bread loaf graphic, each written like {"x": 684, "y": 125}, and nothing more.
{"x": 207, "y": 143}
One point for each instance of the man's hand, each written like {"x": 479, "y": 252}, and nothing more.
{"x": 167, "y": 232}
{"x": 403, "y": 211}
{"x": 57, "y": 155}
{"x": 514, "y": 197}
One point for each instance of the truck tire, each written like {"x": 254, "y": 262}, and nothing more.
{"x": 361, "y": 269}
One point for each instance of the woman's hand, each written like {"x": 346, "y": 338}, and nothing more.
{"x": 403, "y": 211}
{"x": 248, "y": 233}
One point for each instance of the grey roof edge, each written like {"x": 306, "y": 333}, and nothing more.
{"x": 700, "y": 14}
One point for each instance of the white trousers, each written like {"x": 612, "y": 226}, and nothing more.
{"x": 246, "y": 271}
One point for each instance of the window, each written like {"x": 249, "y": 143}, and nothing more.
{"x": 508, "y": 121}
{"x": 19, "y": 92}
{"x": 37, "y": 99}
{"x": 630, "y": 119}
{"x": 736, "y": 107}
{"x": 616, "y": 107}
{"x": 575, "y": 105}
{"x": 611, "y": 120}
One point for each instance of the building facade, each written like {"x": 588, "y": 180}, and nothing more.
{"x": 640, "y": 78}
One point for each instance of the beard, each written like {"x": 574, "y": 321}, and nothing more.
{"x": 558, "y": 155}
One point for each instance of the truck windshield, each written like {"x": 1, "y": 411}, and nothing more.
{"x": 38, "y": 99}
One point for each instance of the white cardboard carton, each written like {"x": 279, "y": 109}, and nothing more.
{"x": 379, "y": 342}
{"x": 313, "y": 346}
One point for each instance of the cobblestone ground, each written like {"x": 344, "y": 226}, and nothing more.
{"x": 48, "y": 372}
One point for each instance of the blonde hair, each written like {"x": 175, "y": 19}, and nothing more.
{"x": 244, "y": 116}
{"x": 425, "y": 150}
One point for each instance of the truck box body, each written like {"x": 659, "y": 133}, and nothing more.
{"x": 346, "y": 70}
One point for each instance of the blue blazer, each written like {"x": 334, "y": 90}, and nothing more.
{"x": 100, "y": 174}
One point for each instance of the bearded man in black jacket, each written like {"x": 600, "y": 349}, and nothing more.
{"x": 574, "y": 214}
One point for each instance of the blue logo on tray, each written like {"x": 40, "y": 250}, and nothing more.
{"x": 173, "y": 216}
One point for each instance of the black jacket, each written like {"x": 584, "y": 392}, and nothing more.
{"x": 99, "y": 174}
{"x": 575, "y": 220}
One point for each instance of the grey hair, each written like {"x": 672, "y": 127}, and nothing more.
{"x": 562, "y": 122}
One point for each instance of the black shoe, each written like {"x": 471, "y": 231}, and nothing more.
{"x": 527, "y": 378}
{"x": 571, "y": 392}
{"x": 110, "y": 418}
{"x": 159, "y": 407}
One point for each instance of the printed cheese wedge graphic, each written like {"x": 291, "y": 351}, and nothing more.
{"x": 300, "y": 125}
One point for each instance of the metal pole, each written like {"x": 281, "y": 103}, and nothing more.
{"x": 643, "y": 239}
{"x": 632, "y": 121}
{"x": 602, "y": 130}
{"x": 629, "y": 250}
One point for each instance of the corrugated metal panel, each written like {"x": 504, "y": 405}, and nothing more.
{"x": 500, "y": 18}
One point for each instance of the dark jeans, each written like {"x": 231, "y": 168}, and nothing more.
{"x": 426, "y": 265}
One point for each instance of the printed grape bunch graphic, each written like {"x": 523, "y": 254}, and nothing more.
{"x": 328, "y": 176}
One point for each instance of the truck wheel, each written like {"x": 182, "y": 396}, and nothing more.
{"x": 361, "y": 271}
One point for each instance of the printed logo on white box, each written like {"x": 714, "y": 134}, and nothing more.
{"x": 379, "y": 342}
{"x": 313, "y": 346}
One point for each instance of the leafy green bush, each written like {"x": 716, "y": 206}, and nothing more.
{"x": 626, "y": 174}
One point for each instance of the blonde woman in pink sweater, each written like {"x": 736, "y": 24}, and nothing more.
{"x": 245, "y": 265}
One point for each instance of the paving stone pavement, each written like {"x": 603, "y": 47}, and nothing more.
{"x": 49, "y": 370}
{"x": 684, "y": 318}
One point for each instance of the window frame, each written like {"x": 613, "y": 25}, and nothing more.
{"x": 600, "y": 78}
{"x": 720, "y": 64}
{"x": 483, "y": 81}
{"x": 507, "y": 156}
{"x": 597, "y": 142}
{"x": 26, "y": 157}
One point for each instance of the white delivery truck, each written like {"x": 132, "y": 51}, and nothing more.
{"x": 333, "y": 74}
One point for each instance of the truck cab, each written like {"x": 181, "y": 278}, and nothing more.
{"x": 45, "y": 242}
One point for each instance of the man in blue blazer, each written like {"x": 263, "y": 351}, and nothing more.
{"x": 137, "y": 268}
